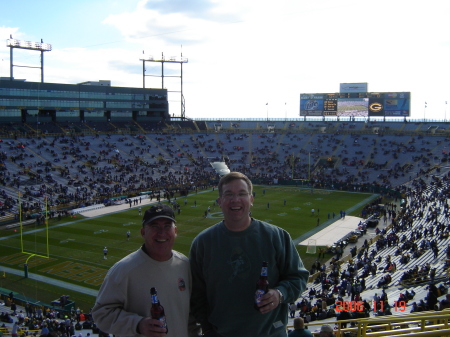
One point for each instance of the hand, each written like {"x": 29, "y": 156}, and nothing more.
{"x": 269, "y": 301}
{"x": 151, "y": 328}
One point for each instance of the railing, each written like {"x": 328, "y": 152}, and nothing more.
{"x": 18, "y": 224}
{"x": 369, "y": 130}
{"x": 7, "y": 331}
{"x": 426, "y": 324}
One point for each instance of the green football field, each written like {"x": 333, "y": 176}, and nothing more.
{"x": 75, "y": 245}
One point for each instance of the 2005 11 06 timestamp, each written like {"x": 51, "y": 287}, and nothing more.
{"x": 359, "y": 306}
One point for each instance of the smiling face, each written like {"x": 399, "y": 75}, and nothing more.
{"x": 235, "y": 202}
{"x": 159, "y": 236}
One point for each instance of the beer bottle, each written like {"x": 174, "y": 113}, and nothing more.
{"x": 157, "y": 310}
{"x": 262, "y": 286}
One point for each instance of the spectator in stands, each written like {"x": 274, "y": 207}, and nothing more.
{"x": 123, "y": 304}
{"x": 44, "y": 331}
{"x": 292, "y": 308}
{"x": 13, "y": 308}
{"x": 445, "y": 303}
{"x": 432, "y": 297}
{"x": 231, "y": 252}
{"x": 307, "y": 317}
{"x": 15, "y": 328}
{"x": 299, "y": 329}
{"x": 343, "y": 316}
{"x": 20, "y": 317}
{"x": 326, "y": 331}
{"x": 387, "y": 311}
{"x": 415, "y": 308}
{"x": 422, "y": 305}
{"x": 431, "y": 274}
{"x": 6, "y": 317}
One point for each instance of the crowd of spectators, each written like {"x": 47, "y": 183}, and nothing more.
{"x": 418, "y": 226}
{"x": 86, "y": 169}
{"x": 36, "y": 320}
{"x": 92, "y": 169}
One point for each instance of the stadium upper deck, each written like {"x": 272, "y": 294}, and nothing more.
{"x": 81, "y": 163}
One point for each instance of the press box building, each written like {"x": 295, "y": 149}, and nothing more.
{"x": 30, "y": 102}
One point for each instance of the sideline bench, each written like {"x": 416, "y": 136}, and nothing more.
{"x": 17, "y": 224}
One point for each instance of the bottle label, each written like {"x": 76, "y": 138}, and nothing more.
{"x": 264, "y": 271}
{"x": 154, "y": 298}
{"x": 163, "y": 322}
{"x": 258, "y": 294}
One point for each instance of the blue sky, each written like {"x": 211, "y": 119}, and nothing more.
{"x": 241, "y": 54}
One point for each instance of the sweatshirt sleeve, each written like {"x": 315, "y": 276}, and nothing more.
{"x": 293, "y": 275}
{"x": 109, "y": 313}
{"x": 199, "y": 302}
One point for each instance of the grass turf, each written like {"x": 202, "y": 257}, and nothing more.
{"x": 76, "y": 244}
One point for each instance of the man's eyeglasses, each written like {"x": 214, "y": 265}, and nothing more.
{"x": 240, "y": 195}
{"x": 165, "y": 228}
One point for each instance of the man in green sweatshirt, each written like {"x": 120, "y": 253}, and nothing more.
{"x": 226, "y": 262}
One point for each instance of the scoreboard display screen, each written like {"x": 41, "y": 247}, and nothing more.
{"x": 356, "y": 104}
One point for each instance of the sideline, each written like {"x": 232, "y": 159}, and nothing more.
{"x": 93, "y": 214}
{"x": 52, "y": 281}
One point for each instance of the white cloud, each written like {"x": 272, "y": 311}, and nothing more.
{"x": 243, "y": 54}
{"x": 104, "y": 61}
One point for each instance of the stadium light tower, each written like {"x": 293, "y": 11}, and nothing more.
{"x": 39, "y": 46}
{"x": 163, "y": 60}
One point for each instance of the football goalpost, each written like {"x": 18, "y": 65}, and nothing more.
{"x": 25, "y": 266}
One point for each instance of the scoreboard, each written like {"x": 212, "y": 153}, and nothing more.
{"x": 356, "y": 104}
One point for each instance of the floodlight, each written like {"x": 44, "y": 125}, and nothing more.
{"x": 13, "y": 43}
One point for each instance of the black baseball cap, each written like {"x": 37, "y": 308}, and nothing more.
{"x": 156, "y": 212}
